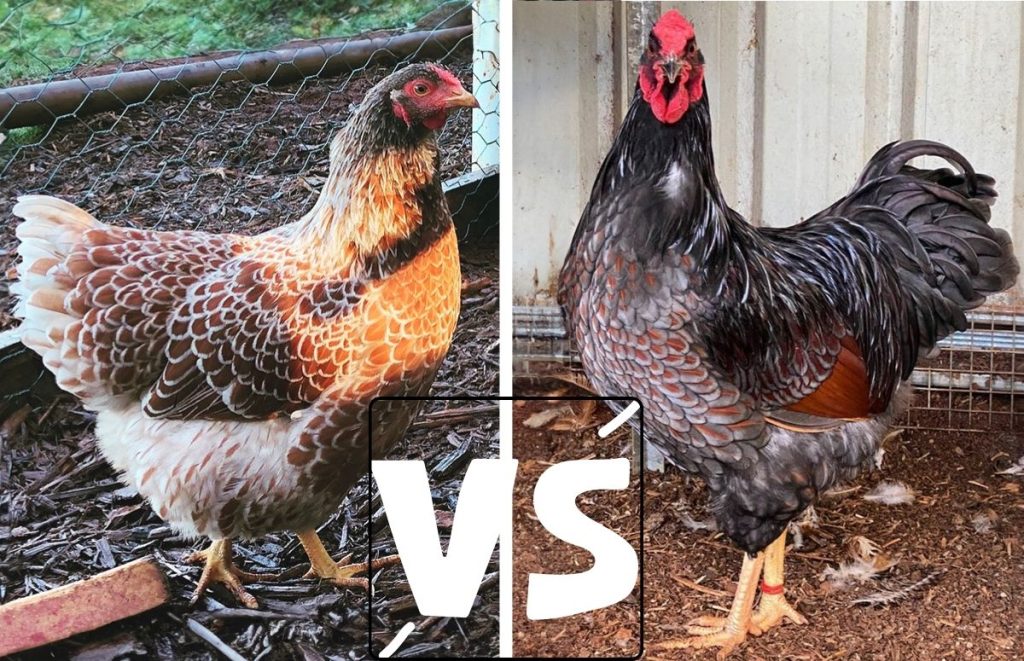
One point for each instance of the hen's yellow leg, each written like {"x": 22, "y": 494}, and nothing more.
{"x": 728, "y": 632}
{"x": 218, "y": 567}
{"x": 773, "y": 607}
{"x": 342, "y": 572}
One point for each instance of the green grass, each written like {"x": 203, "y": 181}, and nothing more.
{"x": 39, "y": 38}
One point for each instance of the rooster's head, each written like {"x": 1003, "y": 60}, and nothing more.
{"x": 672, "y": 68}
{"x": 422, "y": 95}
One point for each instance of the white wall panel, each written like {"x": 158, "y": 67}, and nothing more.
{"x": 815, "y": 64}
{"x": 967, "y": 94}
{"x": 563, "y": 64}
{"x": 802, "y": 94}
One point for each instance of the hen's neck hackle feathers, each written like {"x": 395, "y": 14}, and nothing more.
{"x": 383, "y": 182}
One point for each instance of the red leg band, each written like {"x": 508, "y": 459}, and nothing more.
{"x": 771, "y": 589}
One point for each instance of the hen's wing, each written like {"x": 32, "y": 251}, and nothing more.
{"x": 252, "y": 340}
{"x": 197, "y": 325}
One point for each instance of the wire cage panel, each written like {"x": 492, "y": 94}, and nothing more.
{"x": 974, "y": 382}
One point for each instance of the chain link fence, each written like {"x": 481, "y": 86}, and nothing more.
{"x": 230, "y": 139}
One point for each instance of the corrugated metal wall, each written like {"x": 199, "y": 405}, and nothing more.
{"x": 801, "y": 93}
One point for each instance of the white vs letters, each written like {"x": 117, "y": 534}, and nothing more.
{"x": 446, "y": 584}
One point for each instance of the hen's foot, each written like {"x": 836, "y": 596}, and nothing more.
{"x": 218, "y": 567}
{"x": 343, "y": 572}
{"x": 770, "y": 613}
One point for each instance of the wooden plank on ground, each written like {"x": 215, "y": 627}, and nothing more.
{"x": 111, "y": 596}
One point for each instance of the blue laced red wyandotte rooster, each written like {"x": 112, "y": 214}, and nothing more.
{"x": 770, "y": 361}
{"x": 232, "y": 375}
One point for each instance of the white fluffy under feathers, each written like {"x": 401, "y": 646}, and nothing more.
{"x": 866, "y": 562}
{"x": 891, "y": 493}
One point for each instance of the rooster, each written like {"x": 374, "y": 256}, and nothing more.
{"x": 769, "y": 361}
{"x": 232, "y": 375}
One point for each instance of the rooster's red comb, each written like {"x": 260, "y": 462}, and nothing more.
{"x": 673, "y": 31}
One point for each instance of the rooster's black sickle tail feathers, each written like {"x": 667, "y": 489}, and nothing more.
{"x": 971, "y": 258}
{"x": 959, "y": 258}
{"x": 893, "y": 158}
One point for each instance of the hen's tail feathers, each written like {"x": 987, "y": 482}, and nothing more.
{"x": 49, "y": 232}
{"x": 959, "y": 259}
{"x": 32, "y": 352}
{"x": 25, "y": 381}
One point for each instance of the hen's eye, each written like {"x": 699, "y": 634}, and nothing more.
{"x": 419, "y": 89}
{"x": 690, "y": 47}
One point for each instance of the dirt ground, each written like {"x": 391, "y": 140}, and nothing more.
{"x": 961, "y": 533}
{"x": 242, "y": 159}
{"x": 612, "y": 631}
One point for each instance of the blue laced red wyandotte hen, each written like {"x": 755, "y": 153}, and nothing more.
{"x": 231, "y": 375}
{"x": 770, "y": 361}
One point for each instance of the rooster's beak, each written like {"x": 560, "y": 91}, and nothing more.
{"x": 671, "y": 67}
{"x": 461, "y": 99}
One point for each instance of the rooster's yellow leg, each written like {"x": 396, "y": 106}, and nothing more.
{"x": 728, "y": 632}
{"x": 773, "y": 607}
{"x": 342, "y": 572}
{"x": 218, "y": 567}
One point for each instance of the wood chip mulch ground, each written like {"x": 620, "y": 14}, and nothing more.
{"x": 537, "y": 444}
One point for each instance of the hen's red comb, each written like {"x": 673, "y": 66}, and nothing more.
{"x": 446, "y": 76}
{"x": 673, "y": 31}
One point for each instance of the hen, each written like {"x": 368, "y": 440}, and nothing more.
{"x": 770, "y": 361}
{"x": 231, "y": 375}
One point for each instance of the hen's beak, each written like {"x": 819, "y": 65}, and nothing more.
{"x": 671, "y": 66}
{"x": 461, "y": 99}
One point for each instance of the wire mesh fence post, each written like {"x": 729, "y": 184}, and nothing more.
{"x": 485, "y": 83}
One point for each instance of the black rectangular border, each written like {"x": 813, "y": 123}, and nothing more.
{"x": 512, "y": 398}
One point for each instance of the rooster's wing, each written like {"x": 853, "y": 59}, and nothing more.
{"x": 865, "y": 286}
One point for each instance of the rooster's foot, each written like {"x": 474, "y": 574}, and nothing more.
{"x": 725, "y": 633}
{"x": 711, "y": 624}
{"x": 710, "y": 632}
{"x": 770, "y": 613}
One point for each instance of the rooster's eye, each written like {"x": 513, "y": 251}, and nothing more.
{"x": 419, "y": 89}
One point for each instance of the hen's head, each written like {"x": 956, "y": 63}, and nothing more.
{"x": 672, "y": 68}
{"x": 423, "y": 94}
